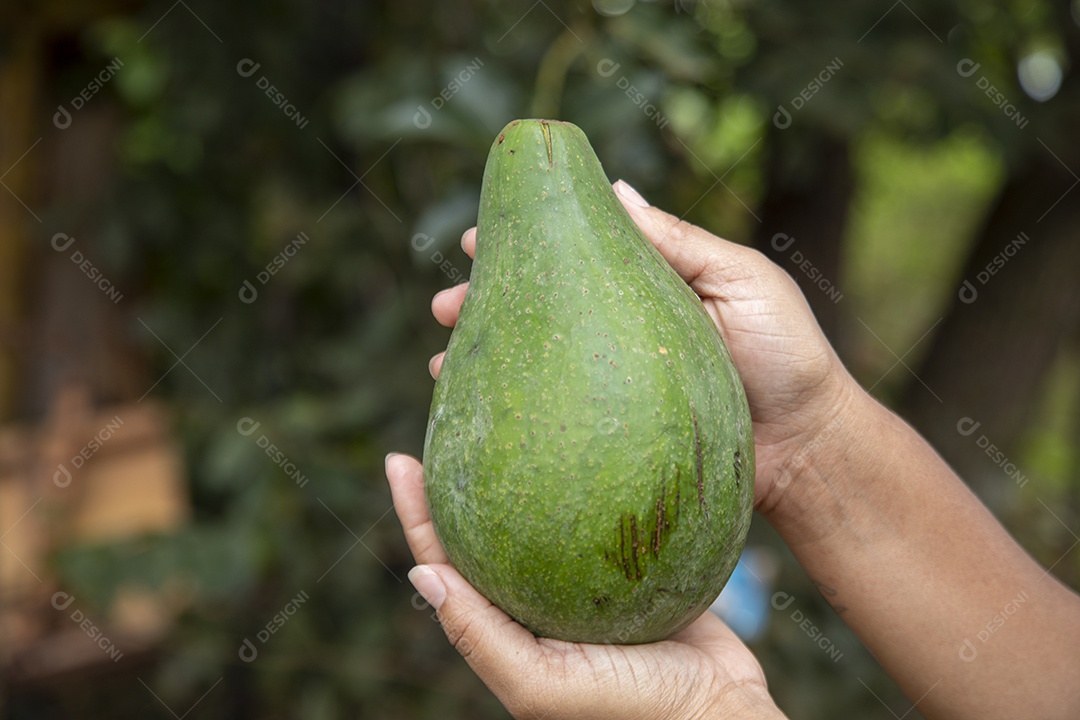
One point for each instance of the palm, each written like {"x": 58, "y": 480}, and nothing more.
{"x": 678, "y": 677}
{"x": 705, "y": 655}
{"x": 783, "y": 360}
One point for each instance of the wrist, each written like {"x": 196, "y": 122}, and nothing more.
{"x": 746, "y": 701}
{"x": 813, "y": 476}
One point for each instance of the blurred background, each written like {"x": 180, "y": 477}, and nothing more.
{"x": 221, "y": 224}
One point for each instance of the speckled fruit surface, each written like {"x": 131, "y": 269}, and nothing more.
{"x": 589, "y": 460}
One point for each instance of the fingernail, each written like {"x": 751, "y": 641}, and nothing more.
{"x": 623, "y": 188}
{"x": 431, "y": 366}
{"x": 428, "y": 584}
{"x": 388, "y": 461}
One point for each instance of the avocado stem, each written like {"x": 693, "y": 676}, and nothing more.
{"x": 547, "y": 141}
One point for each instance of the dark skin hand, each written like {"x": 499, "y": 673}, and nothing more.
{"x": 703, "y": 672}
{"x": 891, "y": 536}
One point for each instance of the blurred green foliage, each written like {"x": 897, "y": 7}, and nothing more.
{"x": 330, "y": 357}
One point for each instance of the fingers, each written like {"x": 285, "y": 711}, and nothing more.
{"x": 703, "y": 260}
{"x": 498, "y": 649}
{"x": 406, "y": 477}
{"x": 468, "y": 242}
{"x": 435, "y": 364}
{"x": 446, "y": 305}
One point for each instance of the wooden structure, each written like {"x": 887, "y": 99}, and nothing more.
{"x": 83, "y": 477}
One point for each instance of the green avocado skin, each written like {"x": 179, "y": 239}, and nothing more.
{"x": 589, "y": 460}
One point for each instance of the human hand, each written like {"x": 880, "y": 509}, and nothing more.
{"x": 702, "y": 672}
{"x": 795, "y": 384}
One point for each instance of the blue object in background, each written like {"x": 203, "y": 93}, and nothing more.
{"x": 744, "y": 603}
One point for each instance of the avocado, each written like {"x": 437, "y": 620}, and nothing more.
{"x": 589, "y": 459}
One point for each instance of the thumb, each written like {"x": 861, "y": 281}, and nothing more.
{"x": 703, "y": 260}
{"x": 497, "y": 648}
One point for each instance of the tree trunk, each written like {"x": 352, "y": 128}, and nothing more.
{"x": 1017, "y": 303}
{"x": 20, "y": 76}
{"x": 809, "y": 183}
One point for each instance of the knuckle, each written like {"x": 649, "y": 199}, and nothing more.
{"x": 461, "y": 635}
